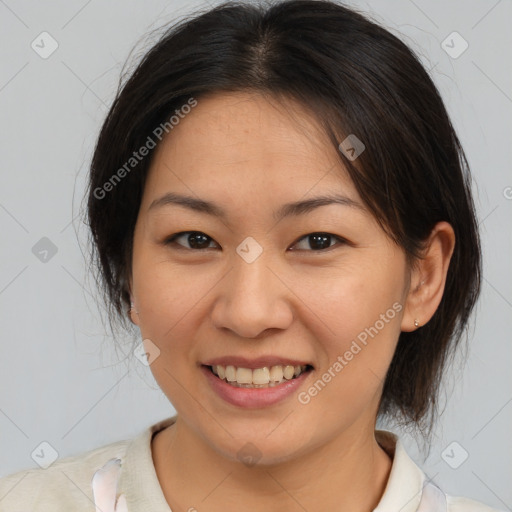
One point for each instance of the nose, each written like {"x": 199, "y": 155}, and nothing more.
{"x": 252, "y": 299}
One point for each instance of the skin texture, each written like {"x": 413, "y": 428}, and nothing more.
{"x": 249, "y": 155}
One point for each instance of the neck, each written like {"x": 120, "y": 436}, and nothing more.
{"x": 348, "y": 473}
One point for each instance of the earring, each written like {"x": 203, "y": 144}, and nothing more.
{"x": 416, "y": 323}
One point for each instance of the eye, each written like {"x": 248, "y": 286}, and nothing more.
{"x": 195, "y": 239}
{"x": 318, "y": 241}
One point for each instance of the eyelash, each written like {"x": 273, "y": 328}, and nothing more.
{"x": 171, "y": 240}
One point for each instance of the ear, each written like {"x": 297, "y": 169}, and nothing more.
{"x": 428, "y": 277}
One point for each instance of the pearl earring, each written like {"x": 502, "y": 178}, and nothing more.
{"x": 416, "y": 323}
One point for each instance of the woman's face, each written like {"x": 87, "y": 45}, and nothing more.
{"x": 253, "y": 287}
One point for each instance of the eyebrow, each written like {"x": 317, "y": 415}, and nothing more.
{"x": 286, "y": 210}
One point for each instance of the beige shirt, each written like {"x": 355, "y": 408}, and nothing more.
{"x": 66, "y": 485}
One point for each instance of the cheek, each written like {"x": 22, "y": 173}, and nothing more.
{"x": 358, "y": 320}
{"x": 350, "y": 300}
{"x": 172, "y": 302}
{"x": 169, "y": 299}
{"x": 357, "y": 349}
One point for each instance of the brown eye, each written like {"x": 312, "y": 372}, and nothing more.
{"x": 195, "y": 240}
{"x": 318, "y": 241}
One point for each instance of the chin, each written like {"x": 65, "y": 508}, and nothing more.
{"x": 260, "y": 446}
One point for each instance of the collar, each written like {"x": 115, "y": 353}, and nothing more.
{"x": 139, "y": 482}
{"x": 405, "y": 482}
{"x": 406, "y": 490}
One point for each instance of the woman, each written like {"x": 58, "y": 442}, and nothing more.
{"x": 279, "y": 199}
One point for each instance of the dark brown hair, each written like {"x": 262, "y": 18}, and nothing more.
{"x": 355, "y": 77}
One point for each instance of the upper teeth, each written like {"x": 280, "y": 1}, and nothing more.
{"x": 259, "y": 376}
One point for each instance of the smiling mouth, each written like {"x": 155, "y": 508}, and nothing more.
{"x": 265, "y": 377}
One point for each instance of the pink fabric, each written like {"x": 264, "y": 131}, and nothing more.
{"x": 104, "y": 488}
{"x": 432, "y": 499}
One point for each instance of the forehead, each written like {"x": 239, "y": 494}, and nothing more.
{"x": 247, "y": 144}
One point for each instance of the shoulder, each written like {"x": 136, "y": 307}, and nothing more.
{"x": 65, "y": 485}
{"x": 460, "y": 504}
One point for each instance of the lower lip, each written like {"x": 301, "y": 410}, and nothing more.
{"x": 253, "y": 398}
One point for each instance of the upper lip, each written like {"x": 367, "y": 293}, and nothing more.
{"x": 257, "y": 362}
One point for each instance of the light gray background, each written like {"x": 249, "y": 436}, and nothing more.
{"x": 61, "y": 380}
